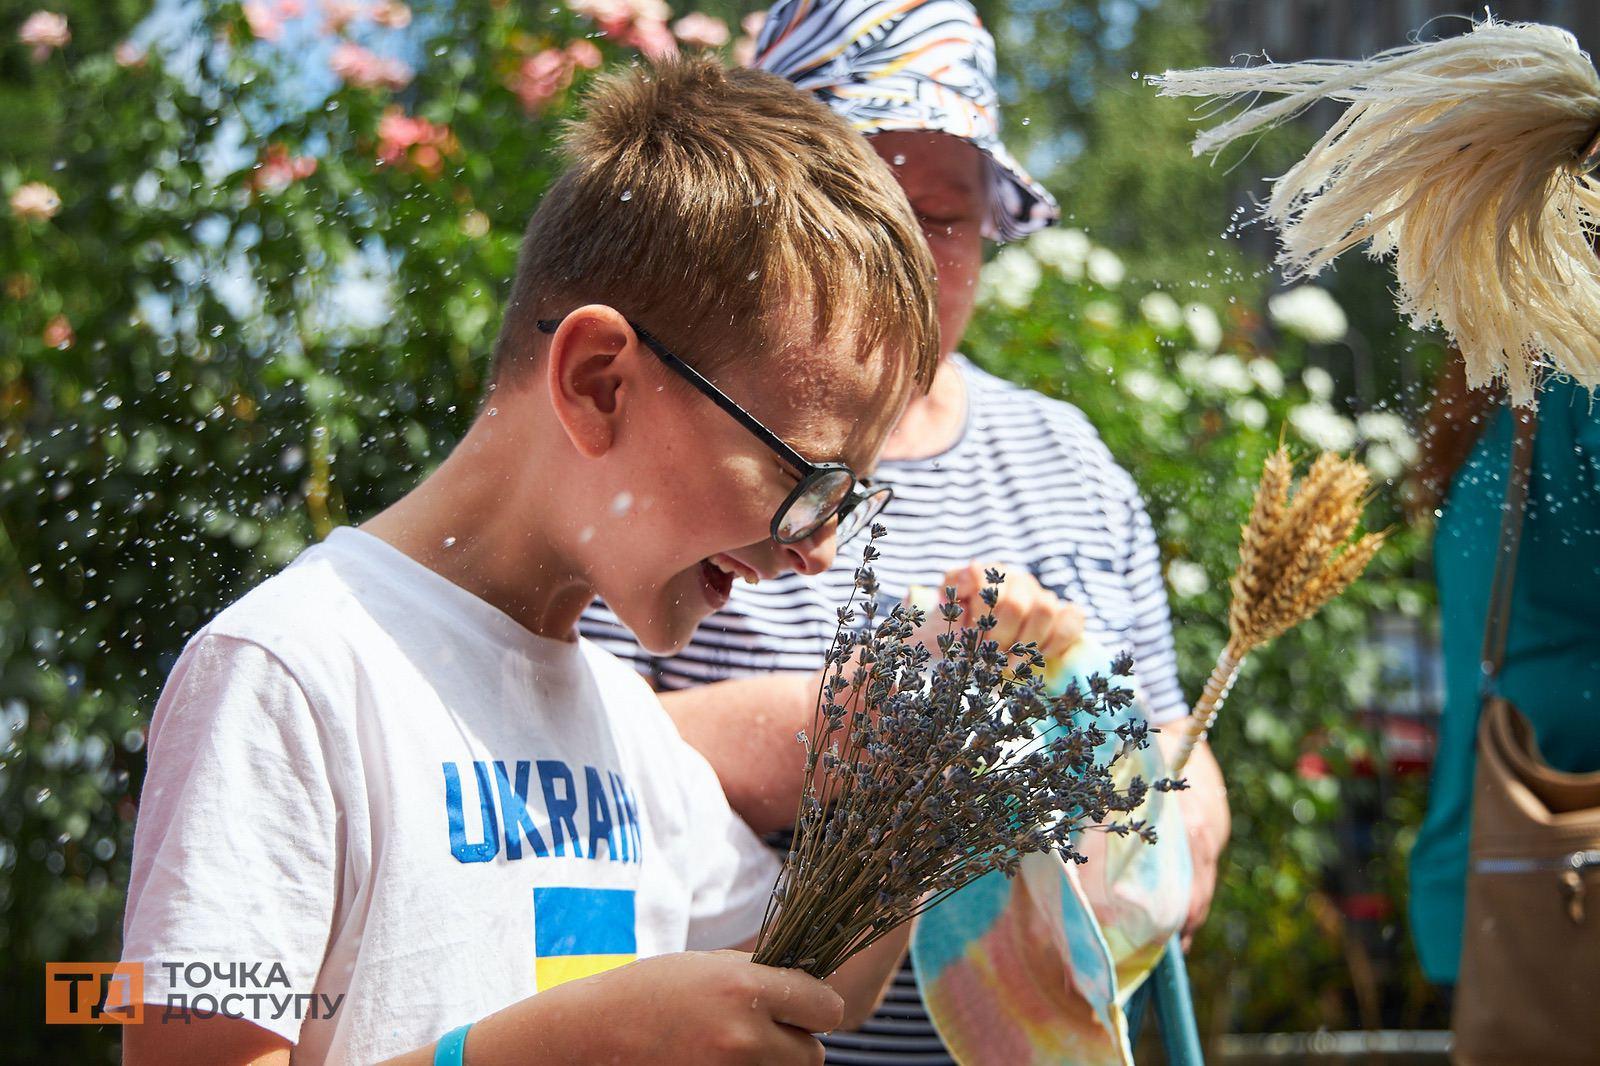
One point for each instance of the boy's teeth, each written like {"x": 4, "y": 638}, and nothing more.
{"x": 749, "y": 578}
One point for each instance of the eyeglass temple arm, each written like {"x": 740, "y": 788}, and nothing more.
{"x": 802, "y": 466}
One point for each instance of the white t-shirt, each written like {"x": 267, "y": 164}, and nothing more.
{"x": 366, "y": 782}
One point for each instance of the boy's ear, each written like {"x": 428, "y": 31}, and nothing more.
{"x": 587, "y": 373}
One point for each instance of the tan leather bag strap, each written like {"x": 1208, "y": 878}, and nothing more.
{"x": 1497, "y": 623}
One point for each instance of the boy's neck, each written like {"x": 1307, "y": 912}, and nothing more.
{"x": 481, "y": 520}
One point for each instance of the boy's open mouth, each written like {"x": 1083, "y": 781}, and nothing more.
{"x": 716, "y": 583}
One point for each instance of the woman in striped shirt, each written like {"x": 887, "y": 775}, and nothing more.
{"x": 984, "y": 473}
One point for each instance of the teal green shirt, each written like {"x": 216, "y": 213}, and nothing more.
{"x": 1552, "y": 664}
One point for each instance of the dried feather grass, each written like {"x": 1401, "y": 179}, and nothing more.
{"x": 1456, "y": 158}
{"x": 1295, "y": 554}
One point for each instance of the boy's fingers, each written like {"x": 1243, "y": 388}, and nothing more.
{"x": 798, "y": 1046}
{"x": 798, "y": 999}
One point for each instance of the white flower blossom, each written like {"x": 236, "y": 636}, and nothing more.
{"x": 1319, "y": 424}
{"x": 1318, "y": 382}
{"x": 1160, "y": 310}
{"x": 1390, "y": 430}
{"x": 1104, "y": 268}
{"x": 1266, "y": 375}
{"x": 1010, "y": 277}
{"x": 1141, "y": 385}
{"x": 1384, "y": 461}
{"x": 1188, "y": 579}
{"x": 1227, "y": 373}
{"x": 1309, "y": 312}
{"x": 1172, "y": 397}
{"x": 1102, "y": 313}
{"x": 1248, "y": 412}
{"x": 1064, "y": 250}
{"x": 1203, "y": 326}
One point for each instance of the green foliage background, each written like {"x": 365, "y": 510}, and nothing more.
{"x": 221, "y": 405}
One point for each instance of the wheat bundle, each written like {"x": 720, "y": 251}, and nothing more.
{"x": 1466, "y": 162}
{"x": 1295, "y": 554}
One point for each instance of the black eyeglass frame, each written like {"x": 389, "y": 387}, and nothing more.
{"x": 861, "y": 489}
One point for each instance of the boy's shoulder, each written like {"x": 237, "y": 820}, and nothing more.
{"x": 304, "y": 605}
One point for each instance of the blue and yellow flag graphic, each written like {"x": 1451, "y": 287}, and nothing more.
{"x": 581, "y": 931}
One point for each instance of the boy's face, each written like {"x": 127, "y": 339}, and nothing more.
{"x": 946, "y": 181}
{"x": 695, "y": 491}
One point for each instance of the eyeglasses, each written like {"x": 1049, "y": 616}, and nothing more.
{"x": 825, "y": 489}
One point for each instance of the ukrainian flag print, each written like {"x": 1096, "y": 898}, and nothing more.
{"x": 578, "y": 932}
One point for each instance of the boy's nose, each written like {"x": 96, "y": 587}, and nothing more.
{"x": 814, "y": 554}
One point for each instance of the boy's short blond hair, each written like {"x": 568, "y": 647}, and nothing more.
{"x": 711, "y": 205}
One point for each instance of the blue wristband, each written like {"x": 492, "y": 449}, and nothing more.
{"x": 451, "y": 1048}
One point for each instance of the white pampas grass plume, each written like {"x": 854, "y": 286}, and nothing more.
{"x": 1460, "y": 160}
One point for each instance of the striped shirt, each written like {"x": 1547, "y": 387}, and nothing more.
{"x": 1028, "y": 483}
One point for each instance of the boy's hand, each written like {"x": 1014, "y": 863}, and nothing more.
{"x": 1026, "y": 611}
{"x": 695, "y": 1008}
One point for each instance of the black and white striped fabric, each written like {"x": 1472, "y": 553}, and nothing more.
{"x": 1029, "y": 483}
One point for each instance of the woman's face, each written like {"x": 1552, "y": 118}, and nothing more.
{"x": 947, "y": 181}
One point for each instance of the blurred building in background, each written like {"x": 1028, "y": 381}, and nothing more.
{"x": 1289, "y": 30}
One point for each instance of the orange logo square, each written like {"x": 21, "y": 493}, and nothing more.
{"x": 93, "y": 993}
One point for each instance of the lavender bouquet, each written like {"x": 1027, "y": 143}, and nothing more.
{"x": 926, "y": 771}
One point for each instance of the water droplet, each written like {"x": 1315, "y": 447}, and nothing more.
{"x": 899, "y": 160}
{"x": 493, "y": 411}
{"x": 753, "y": 275}
{"x": 627, "y": 194}
{"x": 449, "y": 542}
{"x": 621, "y": 503}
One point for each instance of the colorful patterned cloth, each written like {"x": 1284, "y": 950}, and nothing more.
{"x": 1036, "y": 969}
{"x": 888, "y": 65}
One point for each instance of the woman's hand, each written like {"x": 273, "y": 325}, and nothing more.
{"x": 1025, "y": 612}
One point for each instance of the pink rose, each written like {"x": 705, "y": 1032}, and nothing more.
{"x": 337, "y": 14}
{"x": 262, "y": 20}
{"x": 541, "y": 77}
{"x": 744, "y": 49}
{"x": 652, "y": 38}
{"x": 701, "y": 31}
{"x": 278, "y": 169}
{"x": 616, "y": 18}
{"x": 364, "y": 69}
{"x": 406, "y": 139}
{"x": 44, "y": 31}
{"x": 584, "y": 54}
{"x": 35, "y": 200}
{"x": 129, "y": 55}
{"x": 58, "y": 333}
{"x": 390, "y": 13}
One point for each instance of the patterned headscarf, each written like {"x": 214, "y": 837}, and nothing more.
{"x": 886, "y": 65}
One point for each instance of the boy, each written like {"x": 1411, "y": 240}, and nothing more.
{"x": 392, "y": 782}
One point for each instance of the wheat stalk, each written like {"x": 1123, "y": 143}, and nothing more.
{"x": 1295, "y": 554}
